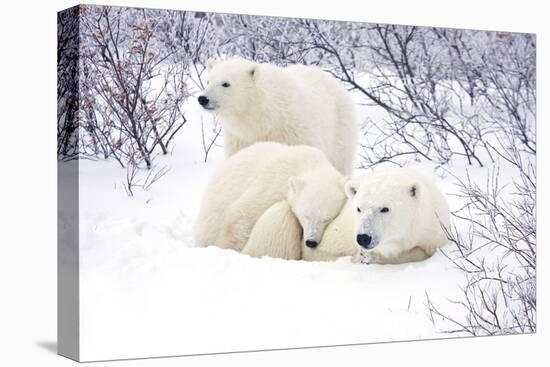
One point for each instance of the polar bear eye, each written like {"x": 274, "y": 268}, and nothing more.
{"x": 358, "y": 210}
{"x": 225, "y": 84}
{"x": 384, "y": 210}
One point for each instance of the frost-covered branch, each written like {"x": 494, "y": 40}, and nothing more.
{"x": 495, "y": 246}
{"x": 132, "y": 95}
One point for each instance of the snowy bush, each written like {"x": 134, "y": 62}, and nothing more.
{"x": 67, "y": 85}
{"x": 446, "y": 93}
{"x": 131, "y": 95}
{"x": 495, "y": 247}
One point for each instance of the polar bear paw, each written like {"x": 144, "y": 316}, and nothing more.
{"x": 365, "y": 257}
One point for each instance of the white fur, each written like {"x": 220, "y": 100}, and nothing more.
{"x": 253, "y": 180}
{"x": 316, "y": 198}
{"x": 279, "y": 234}
{"x": 313, "y": 211}
{"x": 293, "y": 105}
{"x": 412, "y": 228}
{"x": 276, "y": 234}
{"x": 338, "y": 239}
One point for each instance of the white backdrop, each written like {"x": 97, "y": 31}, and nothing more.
{"x": 28, "y": 183}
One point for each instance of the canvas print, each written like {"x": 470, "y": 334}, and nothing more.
{"x": 236, "y": 183}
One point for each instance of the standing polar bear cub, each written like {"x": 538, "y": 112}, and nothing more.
{"x": 399, "y": 216}
{"x": 294, "y": 105}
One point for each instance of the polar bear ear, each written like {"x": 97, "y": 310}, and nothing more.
{"x": 413, "y": 190}
{"x": 295, "y": 184}
{"x": 350, "y": 187}
{"x": 211, "y": 63}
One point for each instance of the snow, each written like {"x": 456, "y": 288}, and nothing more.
{"x": 145, "y": 290}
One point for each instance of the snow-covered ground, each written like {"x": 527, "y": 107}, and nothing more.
{"x": 145, "y": 290}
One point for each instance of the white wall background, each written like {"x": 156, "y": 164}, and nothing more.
{"x": 28, "y": 182}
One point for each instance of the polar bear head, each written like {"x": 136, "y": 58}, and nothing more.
{"x": 385, "y": 205}
{"x": 229, "y": 86}
{"x": 316, "y": 198}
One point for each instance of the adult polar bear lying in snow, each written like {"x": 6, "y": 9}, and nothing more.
{"x": 399, "y": 216}
{"x": 256, "y": 178}
{"x": 293, "y": 105}
{"x": 392, "y": 216}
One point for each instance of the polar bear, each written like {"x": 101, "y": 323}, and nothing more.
{"x": 257, "y": 177}
{"x": 298, "y": 228}
{"x": 338, "y": 239}
{"x": 399, "y": 237}
{"x": 292, "y": 105}
{"x": 399, "y": 216}
{"x": 277, "y": 233}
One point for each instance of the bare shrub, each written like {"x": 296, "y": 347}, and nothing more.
{"x": 67, "y": 83}
{"x": 137, "y": 178}
{"x": 210, "y": 137}
{"x": 132, "y": 96}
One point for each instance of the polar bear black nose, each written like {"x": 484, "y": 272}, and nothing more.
{"x": 203, "y": 100}
{"x": 364, "y": 240}
{"x": 311, "y": 243}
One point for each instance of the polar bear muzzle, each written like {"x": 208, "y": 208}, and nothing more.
{"x": 311, "y": 243}
{"x": 203, "y": 101}
{"x": 365, "y": 241}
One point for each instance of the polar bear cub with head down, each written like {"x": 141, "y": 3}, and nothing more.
{"x": 253, "y": 180}
{"x": 296, "y": 228}
{"x": 399, "y": 216}
{"x": 292, "y": 105}
{"x": 338, "y": 239}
